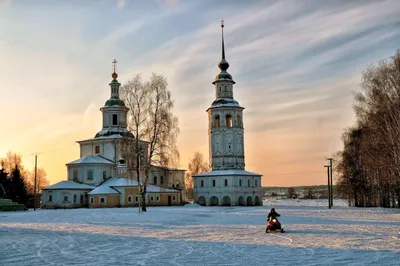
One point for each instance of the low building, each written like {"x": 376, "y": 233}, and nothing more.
{"x": 66, "y": 194}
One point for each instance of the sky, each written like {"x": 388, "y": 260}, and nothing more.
{"x": 297, "y": 65}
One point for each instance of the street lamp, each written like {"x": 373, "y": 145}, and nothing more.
{"x": 329, "y": 191}
{"x": 331, "y": 184}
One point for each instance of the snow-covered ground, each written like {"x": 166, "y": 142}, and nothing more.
{"x": 202, "y": 236}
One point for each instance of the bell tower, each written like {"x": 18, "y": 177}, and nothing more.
{"x": 225, "y": 116}
{"x": 114, "y": 111}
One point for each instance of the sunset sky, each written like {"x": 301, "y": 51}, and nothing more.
{"x": 296, "y": 65}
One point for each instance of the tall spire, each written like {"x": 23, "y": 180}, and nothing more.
{"x": 223, "y": 65}
{"x": 223, "y": 45}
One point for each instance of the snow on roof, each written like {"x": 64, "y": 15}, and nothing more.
{"x": 107, "y": 186}
{"x": 121, "y": 182}
{"x": 92, "y": 159}
{"x": 226, "y": 105}
{"x": 114, "y": 136}
{"x": 228, "y": 172}
{"x": 154, "y": 189}
{"x": 167, "y": 168}
{"x": 69, "y": 185}
{"x": 103, "y": 189}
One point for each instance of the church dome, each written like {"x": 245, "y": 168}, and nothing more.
{"x": 223, "y": 75}
{"x": 224, "y": 101}
{"x": 114, "y": 102}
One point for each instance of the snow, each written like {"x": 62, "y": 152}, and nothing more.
{"x": 103, "y": 190}
{"x": 91, "y": 159}
{"x": 114, "y": 136}
{"x": 202, "y": 236}
{"x": 107, "y": 186}
{"x": 228, "y": 172}
{"x": 69, "y": 185}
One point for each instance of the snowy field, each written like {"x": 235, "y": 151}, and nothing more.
{"x": 202, "y": 236}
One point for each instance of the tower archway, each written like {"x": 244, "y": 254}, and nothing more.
{"x": 213, "y": 201}
{"x": 226, "y": 201}
{"x": 249, "y": 201}
{"x": 201, "y": 201}
{"x": 241, "y": 201}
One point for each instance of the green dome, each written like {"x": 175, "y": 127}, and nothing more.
{"x": 223, "y": 75}
{"x": 114, "y": 102}
{"x": 225, "y": 101}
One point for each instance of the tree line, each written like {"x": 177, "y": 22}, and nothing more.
{"x": 368, "y": 167}
{"x": 17, "y": 181}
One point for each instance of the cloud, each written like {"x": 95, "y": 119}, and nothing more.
{"x": 121, "y": 3}
{"x": 168, "y": 3}
{"x": 5, "y": 4}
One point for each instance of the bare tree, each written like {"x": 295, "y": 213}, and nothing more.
{"x": 152, "y": 122}
{"x": 197, "y": 165}
{"x": 370, "y": 161}
{"x": 41, "y": 181}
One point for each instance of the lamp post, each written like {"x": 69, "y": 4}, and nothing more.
{"x": 331, "y": 184}
{"x": 329, "y": 191}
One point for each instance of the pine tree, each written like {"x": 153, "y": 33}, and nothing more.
{"x": 18, "y": 188}
{"x": 4, "y": 184}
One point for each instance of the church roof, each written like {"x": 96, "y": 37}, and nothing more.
{"x": 92, "y": 159}
{"x": 102, "y": 190}
{"x": 69, "y": 185}
{"x": 113, "y": 133}
{"x": 229, "y": 172}
{"x": 114, "y": 102}
{"x": 167, "y": 168}
{"x": 121, "y": 182}
{"x": 108, "y": 186}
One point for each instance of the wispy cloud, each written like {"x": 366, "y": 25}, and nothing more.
{"x": 121, "y": 3}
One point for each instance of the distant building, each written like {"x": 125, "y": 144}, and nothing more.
{"x": 99, "y": 177}
{"x": 228, "y": 183}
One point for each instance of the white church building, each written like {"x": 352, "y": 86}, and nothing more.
{"x": 98, "y": 178}
{"x": 228, "y": 184}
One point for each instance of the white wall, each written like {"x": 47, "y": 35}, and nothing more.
{"x": 58, "y": 198}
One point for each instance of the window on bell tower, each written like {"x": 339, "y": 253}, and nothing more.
{"x": 217, "y": 124}
{"x": 115, "y": 120}
{"x": 239, "y": 121}
{"x": 228, "y": 120}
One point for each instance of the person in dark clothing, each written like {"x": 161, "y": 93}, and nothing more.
{"x": 273, "y": 214}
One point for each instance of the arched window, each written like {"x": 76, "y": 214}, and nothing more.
{"x": 240, "y": 182}
{"x": 226, "y": 182}
{"x": 228, "y": 120}
{"x": 217, "y": 124}
{"x": 213, "y": 182}
{"x": 202, "y": 183}
{"x": 239, "y": 121}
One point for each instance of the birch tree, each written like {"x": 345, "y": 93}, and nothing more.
{"x": 154, "y": 125}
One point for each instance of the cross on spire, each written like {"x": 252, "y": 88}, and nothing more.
{"x": 223, "y": 45}
{"x": 114, "y": 63}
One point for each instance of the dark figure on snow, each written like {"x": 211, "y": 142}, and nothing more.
{"x": 273, "y": 214}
